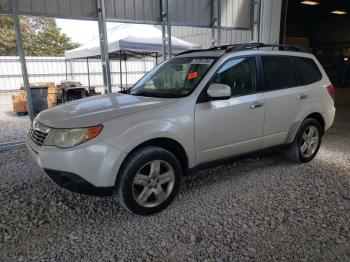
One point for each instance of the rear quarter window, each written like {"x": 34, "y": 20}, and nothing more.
{"x": 307, "y": 70}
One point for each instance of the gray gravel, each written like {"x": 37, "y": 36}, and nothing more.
{"x": 13, "y": 128}
{"x": 262, "y": 208}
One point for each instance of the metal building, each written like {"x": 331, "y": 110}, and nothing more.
{"x": 265, "y": 28}
{"x": 208, "y": 22}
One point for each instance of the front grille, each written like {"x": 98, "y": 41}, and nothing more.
{"x": 37, "y": 136}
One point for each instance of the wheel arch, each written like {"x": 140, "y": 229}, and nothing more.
{"x": 296, "y": 125}
{"x": 169, "y": 144}
{"x": 319, "y": 118}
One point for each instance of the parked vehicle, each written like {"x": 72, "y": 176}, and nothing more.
{"x": 201, "y": 106}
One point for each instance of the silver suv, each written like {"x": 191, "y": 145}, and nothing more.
{"x": 199, "y": 107}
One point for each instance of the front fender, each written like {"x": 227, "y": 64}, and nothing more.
{"x": 142, "y": 132}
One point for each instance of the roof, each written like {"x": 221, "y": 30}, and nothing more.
{"x": 133, "y": 38}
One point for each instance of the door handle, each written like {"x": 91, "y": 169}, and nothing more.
{"x": 303, "y": 96}
{"x": 257, "y": 105}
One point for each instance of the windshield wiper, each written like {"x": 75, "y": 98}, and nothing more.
{"x": 140, "y": 94}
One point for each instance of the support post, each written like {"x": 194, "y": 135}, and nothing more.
{"x": 164, "y": 40}
{"x": 22, "y": 58}
{"x": 284, "y": 16}
{"x": 126, "y": 71}
{"x": 219, "y": 23}
{"x": 168, "y": 25}
{"x": 120, "y": 70}
{"x": 88, "y": 70}
{"x": 256, "y": 21}
{"x": 102, "y": 28}
{"x": 215, "y": 28}
{"x": 166, "y": 30}
{"x": 65, "y": 65}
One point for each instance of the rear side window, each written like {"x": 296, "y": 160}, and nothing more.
{"x": 307, "y": 70}
{"x": 278, "y": 72}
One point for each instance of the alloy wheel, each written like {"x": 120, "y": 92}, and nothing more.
{"x": 309, "y": 141}
{"x": 153, "y": 183}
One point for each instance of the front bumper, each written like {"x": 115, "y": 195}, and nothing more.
{"x": 77, "y": 184}
{"x": 86, "y": 168}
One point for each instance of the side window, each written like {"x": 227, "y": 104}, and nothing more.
{"x": 278, "y": 72}
{"x": 239, "y": 74}
{"x": 307, "y": 70}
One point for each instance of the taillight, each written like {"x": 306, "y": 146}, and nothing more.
{"x": 331, "y": 91}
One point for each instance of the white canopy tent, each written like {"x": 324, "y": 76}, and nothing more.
{"x": 129, "y": 41}
{"x": 130, "y": 38}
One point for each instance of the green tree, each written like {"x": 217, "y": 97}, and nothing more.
{"x": 41, "y": 37}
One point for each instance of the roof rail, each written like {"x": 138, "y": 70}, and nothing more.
{"x": 282, "y": 47}
{"x": 222, "y": 47}
{"x": 243, "y": 47}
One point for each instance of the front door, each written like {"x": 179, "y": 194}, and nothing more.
{"x": 234, "y": 126}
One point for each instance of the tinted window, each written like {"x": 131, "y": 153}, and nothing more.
{"x": 239, "y": 74}
{"x": 307, "y": 70}
{"x": 278, "y": 72}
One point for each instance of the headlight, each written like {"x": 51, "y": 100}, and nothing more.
{"x": 65, "y": 138}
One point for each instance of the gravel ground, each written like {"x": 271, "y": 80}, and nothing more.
{"x": 13, "y": 128}
{"x": 261, "y": 208}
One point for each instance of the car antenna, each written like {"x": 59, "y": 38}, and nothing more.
{"x": 274, "y": 46}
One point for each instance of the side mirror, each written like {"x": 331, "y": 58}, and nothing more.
{"x": 219, "y": 91}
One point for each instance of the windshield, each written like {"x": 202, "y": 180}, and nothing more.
{"x": 173, "y": 78}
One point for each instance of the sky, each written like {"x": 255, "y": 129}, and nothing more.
{"x": 80, "y": 31}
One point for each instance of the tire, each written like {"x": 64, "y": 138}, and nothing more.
{"x": 305, "y": 149}
{"x": 149, "y": 180}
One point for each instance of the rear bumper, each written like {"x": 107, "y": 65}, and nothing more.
{"x": 77, "y": 184}
{"x": 329, "y": 118}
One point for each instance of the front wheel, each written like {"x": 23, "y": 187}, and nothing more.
{"x": 149, "y": 180}
{"x": 307, "y": 141}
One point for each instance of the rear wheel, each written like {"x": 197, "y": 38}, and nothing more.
{"x": 149, "y": 180}
{"x": 307, "y": 141}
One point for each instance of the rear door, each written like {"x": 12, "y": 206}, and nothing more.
{"x": 285, "y": 98}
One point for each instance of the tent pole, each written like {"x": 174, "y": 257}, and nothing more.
{"x": 120, "y": 70}
{"x": 156, "y": 59}
{"x": 88, "y": 70}
{"x": 126, "y": 71}
{"x": 22, "y": 58}
{"x": 102, "y": 28}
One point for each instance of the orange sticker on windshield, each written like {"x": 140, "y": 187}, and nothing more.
{"x": 192, "y": 75}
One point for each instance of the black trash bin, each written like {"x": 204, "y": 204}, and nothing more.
{"x": 39, "y": 98}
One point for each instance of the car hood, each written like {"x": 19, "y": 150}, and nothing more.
{"x": 95, "y": 110}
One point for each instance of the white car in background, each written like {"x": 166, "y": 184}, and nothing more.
{"x": 199, "y": 107}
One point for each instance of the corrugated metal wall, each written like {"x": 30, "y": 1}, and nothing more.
{"x": 270, "y": 21}
{"x": 270, "y": 17}
{"x": 236, "y": 13}
{"x": 190, "y": 13}
{"x": 202, "y": 36}
{"x": 80, "y": 9}
{"x": 147, "y": 11}
{"x": 53, "y": 69}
